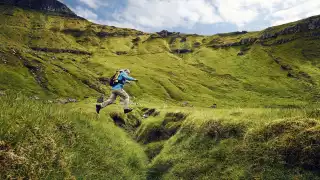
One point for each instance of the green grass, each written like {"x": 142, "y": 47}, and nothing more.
{"x": 46, "y": 141}
{"x": 240, "y": 144}
{"x": 202, "y": 78}
{"x": 266, "y": 125}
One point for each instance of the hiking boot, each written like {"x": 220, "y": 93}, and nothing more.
{"x": 98, "y": 108}
{"x": 100, "y": 99}
{"x": 127, "y": 110}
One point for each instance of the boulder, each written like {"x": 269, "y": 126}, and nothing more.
{"x": 241, "y": 53}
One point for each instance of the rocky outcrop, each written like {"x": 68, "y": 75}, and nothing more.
{"x": 245, "y": 41}
{"x": 165, "y": 33}
{"x": 42, "y": 5}
{"x": 248, "y": 41}
{"x": 119, "y": 53}
{"x": 182, "y": 51}
{"x": 312, "y": 23}
{"x": 54, "y": 50}
{"x": 37, "y": 71}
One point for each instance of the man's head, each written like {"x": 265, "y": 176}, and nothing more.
{"x": 127, "y": 71}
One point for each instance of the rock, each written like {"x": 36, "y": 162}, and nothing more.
{"x": 71, "y": 100}
{"x": 2, "y": 93}
{"x": 55, "y": 50}
{"x": 136, "y": 40}
{"x": 282, "y": 41}
{"x": 304, "y": 74}
{"x": 315, "y": 34}
{"x": 182, "y": 51}
{"x": 214, "y": 106}
{"x": 286, "y": 67}
{"x": 268, "y": 36}
{"x": 241, "y": 53}
{"x": 62, "y": 101}
{"x": 248, "y": 41}
{"x": 165, "y": 33}
{"x": 42, "y": 5}
{"x": 35, "y": 98}
{"x": 183, "y": 39}
{"x": 291, "y": 75}
{"x": 68, "y": 100}
{"x": 184, "y": 104}
{"x": 306, "y": 25}
{"x": 121, "y": 53}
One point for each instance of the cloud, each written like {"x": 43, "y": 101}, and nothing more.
{"x": 94, "y": 4}
{"x": 85, "y": 13}
{"x": 154, "y": 15}
{"x": 167, "y": 13}
{"x": 296, "y": 12}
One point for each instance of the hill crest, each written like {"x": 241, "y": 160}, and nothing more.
{"x": 42, "y": 5}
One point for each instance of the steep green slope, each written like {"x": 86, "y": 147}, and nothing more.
{"x": 71, "y": 57}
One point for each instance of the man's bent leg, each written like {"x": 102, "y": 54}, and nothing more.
{"x": 125, "y": 97}
{"x": 111, "y": 100}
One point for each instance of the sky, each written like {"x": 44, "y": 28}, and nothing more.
{"x": 194, "y": 16}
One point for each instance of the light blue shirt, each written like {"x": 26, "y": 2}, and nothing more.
{"x": 123, "y": 77}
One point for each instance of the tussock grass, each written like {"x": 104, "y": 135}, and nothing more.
{"x": 45, "y": 141}
{"x": 241, "y": 144}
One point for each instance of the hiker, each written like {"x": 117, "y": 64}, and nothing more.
{"x": 117, "y": 82}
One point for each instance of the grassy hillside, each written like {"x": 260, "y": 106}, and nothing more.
{"x": 40, "y": 140}
{"x": 57, "y": 56}
{"x": 265, "y": 85}
{"x": 45, "y": 141}
{"x": 234, "y": 144}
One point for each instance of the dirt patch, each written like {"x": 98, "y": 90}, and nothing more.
{"x": 168, "y": 128}
{"x": 118, "y": 119}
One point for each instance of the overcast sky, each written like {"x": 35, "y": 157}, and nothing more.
{"x": 194, "y": 16}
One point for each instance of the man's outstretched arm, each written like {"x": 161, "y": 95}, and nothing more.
{"x": 126, "y": 77}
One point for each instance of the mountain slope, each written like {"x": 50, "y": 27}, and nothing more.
{"x": 67, "y": 57}
{"x": 41, "y": 5}
{"x": 46, "y": 56}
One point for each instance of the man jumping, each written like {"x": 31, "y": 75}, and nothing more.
{"x": 117, "y": 82}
